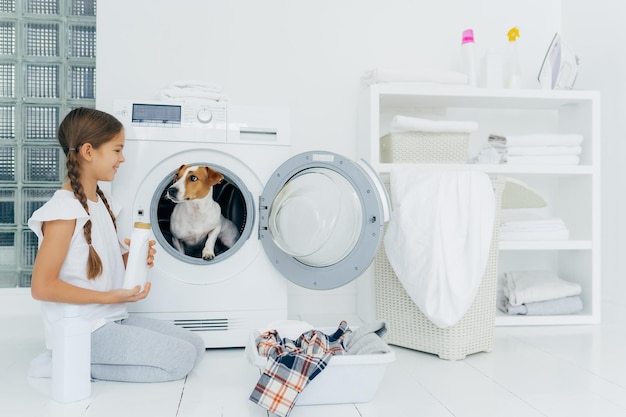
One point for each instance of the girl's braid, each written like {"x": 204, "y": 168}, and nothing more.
{"x": 94, "y": 263}
{"x": 106, "y": 203}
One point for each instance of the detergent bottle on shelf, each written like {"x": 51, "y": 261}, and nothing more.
{"x": 469, "y": 56}
{"x": 514, "y": 71}
{"x": 71, "y": 356}
{"x": 137, "y": 263}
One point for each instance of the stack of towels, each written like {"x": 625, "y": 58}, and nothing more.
{"x": 517, "y": 224}
{"x": 538, "y": 149}
{"x": 539, "y": 293}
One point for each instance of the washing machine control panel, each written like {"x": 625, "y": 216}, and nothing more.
{"x": 175, "y": 115}
{"x": 201, "y": 120}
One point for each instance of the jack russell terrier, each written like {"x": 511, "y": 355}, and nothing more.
{"x": 197, "y": 219}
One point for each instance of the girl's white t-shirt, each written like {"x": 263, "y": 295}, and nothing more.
{"x": 64, "y": 206}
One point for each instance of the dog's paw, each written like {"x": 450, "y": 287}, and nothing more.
{"x": 207, "y": 254}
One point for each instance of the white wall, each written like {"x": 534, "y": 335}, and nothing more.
{"x": 306, "y": 56}
{"x": 595, "y": 32}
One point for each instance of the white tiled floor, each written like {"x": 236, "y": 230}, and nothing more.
{"x": 573, "y": 371}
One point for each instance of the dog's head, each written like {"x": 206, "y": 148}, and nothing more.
{"x": 193, "y": 182}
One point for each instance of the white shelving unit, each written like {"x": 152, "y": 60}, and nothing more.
{"x": 572, "y": 192}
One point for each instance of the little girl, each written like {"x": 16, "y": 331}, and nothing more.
{"x": 80, "y": 261}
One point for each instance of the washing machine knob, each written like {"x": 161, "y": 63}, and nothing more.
{"x": 205, "y": 115}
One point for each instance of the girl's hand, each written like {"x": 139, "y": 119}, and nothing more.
{"x": 151, "y": 251}
{"x": 130, "y": 296}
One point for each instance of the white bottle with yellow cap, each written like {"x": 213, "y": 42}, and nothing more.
{"x": 514, "y": 67}
{"x": 137, "y": 263}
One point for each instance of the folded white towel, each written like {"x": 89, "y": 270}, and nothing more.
{"x": 406, "y": 124}
{"x": 534, "y": 235}
{"x": 543, "y": 160}
{"x": 487, "y": 155}
{"x": 558, "y": 306}
{"x": 196, "y": 85}
{"x": 439, "y": 236}
{"x": 426, "y": 75}
{"x": 177, "y": 94}
{"x": 539, "y": 139}
{"x": 517, "y": 225}
{"x": 543, "y": 150}
{"x": 543, "y": 224}
{"x": 194, "y": 90}
{"x": 523, "y": 287}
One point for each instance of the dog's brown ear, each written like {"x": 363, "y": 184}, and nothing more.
{"x": 213, "y": 176}
{"x": 177, "y": 173}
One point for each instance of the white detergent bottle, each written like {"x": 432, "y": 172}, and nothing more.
{"x": 514, "y": 68}
{"x": 137, "y": 263}
{"x": 71, "y": 356}
{"x": 469, "y": 56}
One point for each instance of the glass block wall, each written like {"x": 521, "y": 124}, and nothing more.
{"x": 47, "y": 68}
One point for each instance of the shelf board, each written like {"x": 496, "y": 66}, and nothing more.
{"x": 502, "y": 168}
{"x": 460, "y": 96}
{"x": 521, "y": 320}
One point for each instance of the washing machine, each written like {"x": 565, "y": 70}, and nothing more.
{"x": 315, "y": 219}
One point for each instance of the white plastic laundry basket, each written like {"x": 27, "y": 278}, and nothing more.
{"x": 346, "y": 379}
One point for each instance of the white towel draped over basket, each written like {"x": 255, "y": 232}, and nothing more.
{"x": 439, "y": 236}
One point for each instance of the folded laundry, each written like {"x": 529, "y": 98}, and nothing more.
{"x": 196, "y": 85}
{"x": 538, "y": 149}
{"x": 407, "y": 123}
{"x": 487, "y": 155}
{"x": 424, "y": 75}
{"x": 543, "y": 160}
{"x": 193, "y": 90}
{"x": 534, "y": 235}
{"x": 538, "y": 139}
{"x": 543, "y": 150}
{"x": 539, "y": 225}
{"x": 523, "y": 287}
{"x": 563, "y": 305}
{"x": 517, "y": 225}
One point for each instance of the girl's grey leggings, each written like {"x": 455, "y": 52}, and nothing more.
{"x": 141, "y": 349}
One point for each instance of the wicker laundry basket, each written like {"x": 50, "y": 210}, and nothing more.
{"x": 410, "y": 328}
{"x": 424, "y": 147}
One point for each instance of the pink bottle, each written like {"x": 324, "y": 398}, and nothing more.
{"x": 469, "y": 56}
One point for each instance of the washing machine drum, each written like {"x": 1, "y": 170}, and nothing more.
{"x": 321, "y": 219}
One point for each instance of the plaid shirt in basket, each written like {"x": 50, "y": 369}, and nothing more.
{"x": 292, "y": 364}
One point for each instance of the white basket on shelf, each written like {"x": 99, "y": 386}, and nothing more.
{"x": 424, "y": 147}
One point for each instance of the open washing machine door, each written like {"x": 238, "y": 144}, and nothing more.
{"x": 321, "y": 219}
